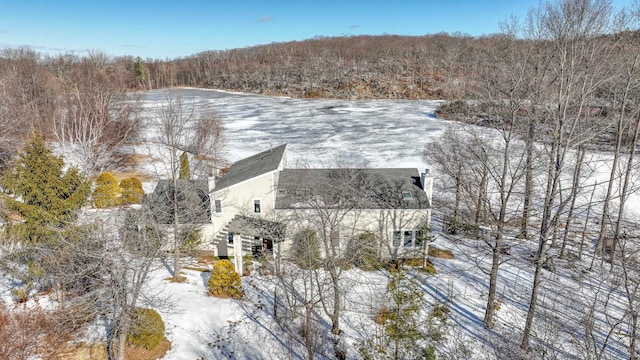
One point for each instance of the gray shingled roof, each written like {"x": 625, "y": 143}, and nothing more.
{"x": 251, "y": 167}
{"x": 390, "y": 188}
{"x": 194, "y": 206}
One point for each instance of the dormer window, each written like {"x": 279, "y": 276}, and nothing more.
{"x": 406, "y": 195}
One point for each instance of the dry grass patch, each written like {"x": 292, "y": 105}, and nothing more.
{"x": 140, "y": 353}
{"x": 207, "y": 259}
{"x": 87, "y": 352}
{"x": 440, "y": 253}
{"x": 120, "y": 175}
{"x": 179, "y": 280}
{"x": 133, "y": 159}
{"x": 99, "y": 352}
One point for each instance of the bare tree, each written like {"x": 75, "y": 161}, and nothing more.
{"x": 570, "y": 29}
{"x": 179, "y": 125}
{"x": 95, "y": 115}
{"x": 332, "y": 211}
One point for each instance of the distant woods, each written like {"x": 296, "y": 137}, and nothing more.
{"x": 359, "y": 67}
{"x": 82, "y": 102}
{"x": 41, "y": 90}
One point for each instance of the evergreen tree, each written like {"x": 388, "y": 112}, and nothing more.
{"x": 406, "y": 334}
{"x": 132, "y": 192}
{"x": 185, "y": 169}
{"x": 140, "y": 71}
{"x": 403, "y": 327}
{"x": 45, "y": 197}
{"x": 107, "y": 191}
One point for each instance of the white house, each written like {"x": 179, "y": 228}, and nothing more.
{"x": 259, "y": 204}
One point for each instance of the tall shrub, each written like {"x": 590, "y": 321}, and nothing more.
{"x": 132, "y": 192}
{"x": 306, "y": 249}
{"x": 225, "y": 281}
{"x": 107, "y": 191}
{"x": 185, "y": 169}
{"x": 147, "y": 329}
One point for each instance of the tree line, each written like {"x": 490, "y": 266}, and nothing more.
{"x": 552, "y": 92}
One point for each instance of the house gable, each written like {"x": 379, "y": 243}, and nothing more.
{"x": 252, "y": 167}
{"x": 192, "y": 197}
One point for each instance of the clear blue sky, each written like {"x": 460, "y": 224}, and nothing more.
{"x": 164, "y": 29}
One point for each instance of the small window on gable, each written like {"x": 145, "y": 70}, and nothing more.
{"x": 256, "y": 206}
{"x": 406, "y": 195}
{"x": 282, "y": 192}
{"x": 217, "y": 206}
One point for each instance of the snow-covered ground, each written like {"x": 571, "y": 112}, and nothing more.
{"x": 383, "y": 133}
{"x": 376, "y": 133}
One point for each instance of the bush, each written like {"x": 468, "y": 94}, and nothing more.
{"x": 132, "y": 192}
{"x": 363, "y": 252}
{"x": 107, "y": 191}
{"x": 225, "y": 282}
{"x": 306, "y": 249}
{"x": 147, "y": 329}
{"x": 185, "y": 169}
{"x": 191, "y": 240}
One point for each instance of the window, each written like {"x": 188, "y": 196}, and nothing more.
{"x": 408, "y": 238}
{"x": 406, "y": 195}
{"x": 256, "y": 206}
{"x": 396, "y": 238}
{"x": 217, "y": 206}
{"x": 230, "y": 238}
{"x": 282, "y": 192}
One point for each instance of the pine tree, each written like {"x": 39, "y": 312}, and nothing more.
{"x": 185, "y": 169}
{"x": 406, "y": 334}
{"x": 132, "y": 192}
{"x": 107, "y": 191}
{"x": 45, "y": 197}
{"x": 140, "y": 72}
{"x": 402, "y": 326}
